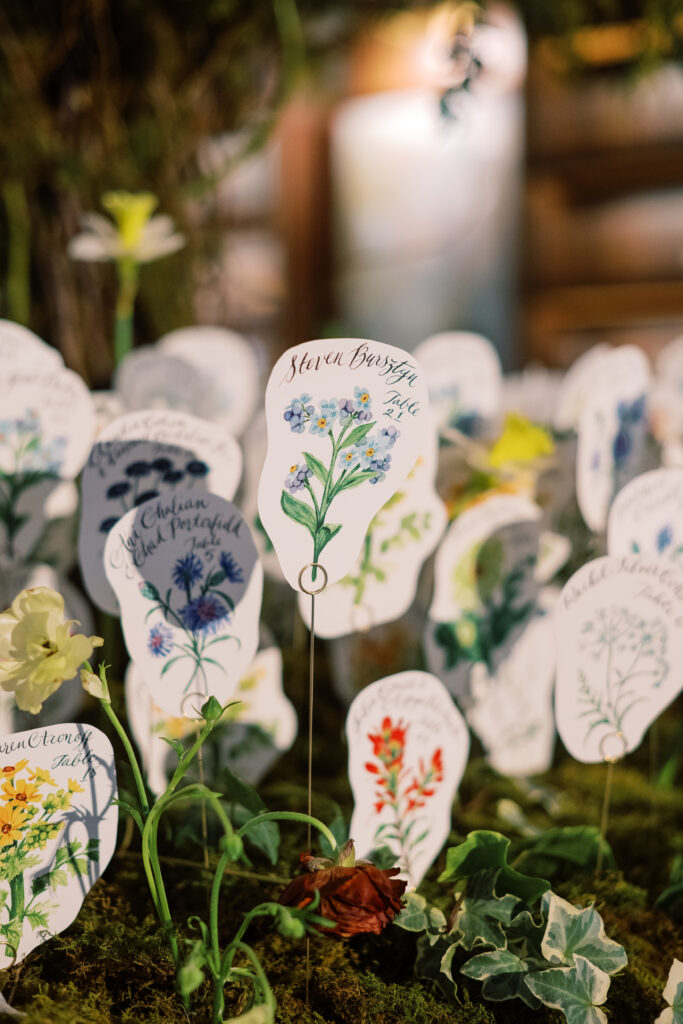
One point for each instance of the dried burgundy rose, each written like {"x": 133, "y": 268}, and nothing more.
{"x": 358, "y": 896}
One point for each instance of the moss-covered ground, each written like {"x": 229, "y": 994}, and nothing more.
{"x": 112, "y": 964}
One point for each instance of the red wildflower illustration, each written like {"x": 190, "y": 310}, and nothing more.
{"x": 388, "y": 747}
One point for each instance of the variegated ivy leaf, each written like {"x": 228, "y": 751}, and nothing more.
{"x": 673, "y": 994}
{"x": 571, "y": 931}
{"x": 503, "y": 975}
{"x": 484, "y": 850}
{"x": 431, "y": 953}
{"x": 482, "y": 914}
{"x": 418, "y": 916}
{"x": 577, "y": 991}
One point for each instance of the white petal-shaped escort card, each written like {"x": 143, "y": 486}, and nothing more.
{"x": 512, "y": 710}
{"x": 408, "y": 747}
{"x": 575, "y": 387}
{"x": 141, "y": 456}
{"x": 187, "y": 577}
{"x": 19, "y": 346}
{"x": 612, "y": 430}
{"x": 149, "y": 379}
{"x": 229, "y": 367}
{"x": 47, "y": 423}
{"x": 250, "y": 737}
{"x": 58, "y": 825}
{"x": 619, "y": 626}
{"x": 646, "y": 516}
{"x": 382, "y": 583}
{"x": 465, "y": 380}
{"x": 485, "y": 587}
{"x": 346, "y": 424}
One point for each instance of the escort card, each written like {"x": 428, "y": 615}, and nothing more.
{"x": 346, "y": 424}
{"x": 58, "y": 825}
{"x": 141, "y": 456}
{"x": 464, "y": 378}
{"x": 408, "y": 747}
{"x": 646, "y": 516}
{"x": 619, "y": 629}
{"x": 188, "y": 581}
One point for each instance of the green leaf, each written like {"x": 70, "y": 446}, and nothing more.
{"x": 571, "y": 932}
{"x": 176, "y": 745}
{"x": 560, "y": 852}
{"x": 215, "y": 578}
{"x": 264, "y": 836}
{"x": 430, "y": 956}
{"x": 298, "y": 511}
{"x": 149, "y": 591}
{"x": 482, "y": 850}
{"x": 673, "y": 994}
{"x": 418, "y": 916}
{"x": 353, "y": 481}
{"x": 480, "y": 922}
{"x": 37, "y": 919}
{"x": 577, "y": 991}
{"x": 357, "y": 435}
{"x": 191, "y": 975}
{"x": 316, "y": 467}
{"x": 498, "y": 961}
{"x": 327, "y": 533}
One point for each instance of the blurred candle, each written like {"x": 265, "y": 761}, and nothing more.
{"x": 426, "y": 205}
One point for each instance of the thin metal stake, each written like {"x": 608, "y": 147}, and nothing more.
{"x": 604, "y": 817}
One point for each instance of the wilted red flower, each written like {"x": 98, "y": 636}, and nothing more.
{"x": 359, "y": 897}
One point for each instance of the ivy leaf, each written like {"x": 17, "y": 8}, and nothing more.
{"x": 562, "y": 851}
{"x": 316, "y": 467}
{"x": 430, "y": 956}
{"x": 503, "y": 974}
{"x": 577, "y": 991}
{"x": 419, "y": 916}
{"x": 480, "y": 922}
{"x": 483, "y": 850}
{"x": 571, "y": 932}
{"x": 358, "y": 434}
{"x": 298, "y": 511}
{"x": 673, "y": 994}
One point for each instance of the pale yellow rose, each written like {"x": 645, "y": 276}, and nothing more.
{"x": 95, "y": 685}
{"x": 37, "y": 648}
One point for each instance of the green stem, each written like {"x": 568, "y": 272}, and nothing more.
{"x": 130, "y": 753}
{"x": 289, "y": 816}
{"x": 18, "y": 277}
{"x": 125, "y": 301}
{"x": 18, "y": 895}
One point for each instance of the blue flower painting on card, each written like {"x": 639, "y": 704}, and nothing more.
{"x": 360, "y": 452}
{"x": 197, "y": 603}
{"x": 144, "y": 479}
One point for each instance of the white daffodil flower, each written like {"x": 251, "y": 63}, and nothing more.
{"x": 132, "y": 235}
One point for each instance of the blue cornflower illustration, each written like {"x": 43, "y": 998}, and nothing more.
{"x": 298, "y": 475}
{"x": 664, "y": 538}
{"x": 107, "y": 524}
{"x": 119, "y": 489}
{"x": 233, "y": 571}
{"x": 139, "y": 468}
{"x": 145, "y": 496}
{"x": 187, "y": 571}
{"x": 160, "y": 640}
{"x": 197, "y": 468}
{"x": 298, "y": 412}
{"x": 204, "y": 614}
{"x": 621, "y": 446}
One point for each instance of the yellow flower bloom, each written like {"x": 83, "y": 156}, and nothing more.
{"x": 41, "y": 776}
{"x": 11, "y": 820}
{"x": 74, "y": 787}
{"x": 37, "y": 650}
{"x": 20, "y": 793}
{"x": 134, "y": 236}
{"x": 521, "y": 441}
{"x": 8, "y": 771}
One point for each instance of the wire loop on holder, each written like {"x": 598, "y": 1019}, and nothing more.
{"x": 192, "y": 693}
{"x": 613, "y": 757}
{"x": 320, "y": 568}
